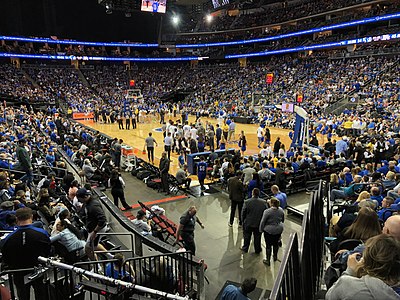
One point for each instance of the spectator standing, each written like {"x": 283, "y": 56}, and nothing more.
{"x": 252, "y": 213}
{"x": 117, "y": 185}
{"x": 277, "y": 146}
{"x": 236, "y": 195}
{"x": 164, "y": 169}
{"x": 149, "y": 144}
{"x": 255, "y": 183}
{"x": 272, "y": 226}
{"x": 342, "y": 146}
{"x": 95, "y": 219}
{"x": 186, "y": 228}
{"x": 25, "y": 163}
{"x": 282, "y": 197}
{"x": 21, "y": 249}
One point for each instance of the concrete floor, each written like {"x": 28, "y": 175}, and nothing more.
{"x": 218, "y": 244}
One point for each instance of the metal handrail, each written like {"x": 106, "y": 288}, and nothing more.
{"x": 130, "y": 234}
{"x": 109, "y": 280}
{"x": 278, "y": 290}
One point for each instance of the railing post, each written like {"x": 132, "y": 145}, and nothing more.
{"x": 138, "y": 245}
{"x": 200, "y": 281}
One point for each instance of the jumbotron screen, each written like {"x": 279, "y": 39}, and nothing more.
{"x": 219, "y": 3}
{"x": 154, "y": 6}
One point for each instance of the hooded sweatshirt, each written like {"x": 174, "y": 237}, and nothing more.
{"x": 364, "y": 288}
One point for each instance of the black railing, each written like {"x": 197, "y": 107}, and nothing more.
{"x": 55, "y": 280}
{"x": 288, "y": 282}
{"x": 173, "y": 273}
{"x": 301, "y": 268}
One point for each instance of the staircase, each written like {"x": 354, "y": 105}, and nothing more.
{"x": 343, "y": 101}
{"x": 34, "y": 83}
{"x": 82, "y": 78}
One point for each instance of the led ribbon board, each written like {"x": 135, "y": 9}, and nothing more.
{"x": 298, "y": 33}
{"x": 364, "y": 40}
{"x": 100, "y": 58}
{"x": 81, "y": 43}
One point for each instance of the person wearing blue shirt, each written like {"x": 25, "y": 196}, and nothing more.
{"x": 50, "y": 157}
{"x": 385, "y": 212}
{"x": 282, "y": 197}
{"x": 256, "y": 182}
{"x": 347, "y": 176}
{"x": 342, "y": 146}
{"x": 232, "y": 292}
{"x": 376, "y": 195}
{"x": 202, "y": 172}
{"x": 116, "y": 270}
{"x": 384, "y": 169}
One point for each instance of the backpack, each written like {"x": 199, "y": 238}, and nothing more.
{"x": 333, "y": 272}
{"x": 143, "y": 174}
{"x": 135, "y": 171}
{"x": 152, "y": 184}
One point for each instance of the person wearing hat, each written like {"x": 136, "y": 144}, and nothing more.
{"x": 25, "y": 163}
{"x": 7, "y": 208}
{"x": 140, "y": 222}
{"x": 95, "y": 219}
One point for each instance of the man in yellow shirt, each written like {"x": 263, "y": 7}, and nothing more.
{"x": 225, "y": 130}
{"x": 348, "y": 127}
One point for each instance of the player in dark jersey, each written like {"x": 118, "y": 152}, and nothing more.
{"x": 202, "y": 172}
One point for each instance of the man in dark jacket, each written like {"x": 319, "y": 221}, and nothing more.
{"x": 236, "y": 195}
{"x": 280, "y": 177}
{"x": 252, "y": 213}
{"x": 95, "y": 220}
{"x": 164, "y": 168}
{"x": 25, "y": 163}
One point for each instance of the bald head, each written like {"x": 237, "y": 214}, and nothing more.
{"x": 392, "y": 226}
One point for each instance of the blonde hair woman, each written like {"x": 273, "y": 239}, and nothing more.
{"x": 363, "y": 196}
{"x": 375, "y": 275}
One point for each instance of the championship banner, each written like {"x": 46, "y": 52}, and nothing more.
{"x": 270, "y": 78}
{"x": 82, "y": 116}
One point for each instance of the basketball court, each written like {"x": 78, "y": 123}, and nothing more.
{"x": 135, "y": 137}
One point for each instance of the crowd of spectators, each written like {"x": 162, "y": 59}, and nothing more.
{"x": 14, "y": 83}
